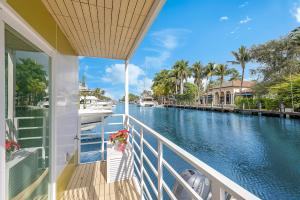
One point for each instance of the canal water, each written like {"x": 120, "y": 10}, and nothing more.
{"x": 262, "y": 154}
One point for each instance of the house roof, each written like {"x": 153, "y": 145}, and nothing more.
{"x": 104, "y": 28}
{"x": 236, "y": 83}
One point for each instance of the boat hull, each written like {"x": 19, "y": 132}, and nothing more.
{"x": 93, "y": 116}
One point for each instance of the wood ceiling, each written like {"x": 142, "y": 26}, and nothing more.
{"x": 104, "y": 28}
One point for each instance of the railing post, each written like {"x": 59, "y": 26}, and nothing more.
{"x": 132, "y": 138}
{"x": 160, "y": 170}
{"x": 78, "y": 138}
{"x": 102, "y": 139}
{"x": 44, "y": 142}
{"x": 142, "y": 163}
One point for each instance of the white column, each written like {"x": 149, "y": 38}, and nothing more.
{"x": 11, "y": 84}
{"x": 126, "y": 89}
{"x": 53, "y": 149}
{"x": 2, "y": 109}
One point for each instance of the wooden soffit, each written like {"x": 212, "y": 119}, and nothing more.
{"x": 104, "y": 28}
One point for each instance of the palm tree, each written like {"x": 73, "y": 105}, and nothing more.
{"x": 242, "y": 57}
{"x": 209, "y": 72}
{"x": 175, "y": 79}
{"x": 235, "y": 75}
{"x": 198, "y": 72}
{"x": 183, "y": 71}
{"x": 222, "y": 71}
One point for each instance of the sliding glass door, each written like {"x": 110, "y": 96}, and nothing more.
{"x": 27, "y": 112}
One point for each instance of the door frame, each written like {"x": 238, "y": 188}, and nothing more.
{"x": 10, "y": 17}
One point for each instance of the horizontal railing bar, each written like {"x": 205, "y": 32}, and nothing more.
{"x": 137, "y": 157}
{"x": 110, "y": 132}
{"x": 181, "y": 180}
{"x": 137, "y": 133}
{"x": 137, "y": 169}
{"x": 136, "y": 144}
{"x": 113, "y": 124}
{"x": 20, "y": 118}
{"x": 147, "y": 191}
{"x": 30, "y": 128}
{"x": 150, "y": 165}
{"x": 151, "y": 183}
{"x": 228, "y": 185}
{"x": 86, "y": 143}
{"x": 30, "y": 138}
{"x": 151, "y": 148}
{"x": 92, "y": 134}
{"x": 169, "y": 191}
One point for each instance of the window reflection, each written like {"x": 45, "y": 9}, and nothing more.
{"x": 27, "y": 118}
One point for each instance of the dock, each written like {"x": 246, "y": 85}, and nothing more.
{"x": 233, "y": 109}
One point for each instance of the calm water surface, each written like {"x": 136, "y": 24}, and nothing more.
{"x": 261, "y": 154}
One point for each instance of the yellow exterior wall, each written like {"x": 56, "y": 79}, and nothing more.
{"x": 35, "y": 13}
{"x": 65, "y": 176}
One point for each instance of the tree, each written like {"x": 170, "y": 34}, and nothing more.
{"x": 31, "y": 82}
{"x": 277, "y": 59}
{"x": 163, "y": 83}
{"x": 222, "y": 71}
{"x": 198, "y": 74}
{"x": 189, "y": 94}
{"x": 235, "y": 75}
{"x": 294, "y": 38}
{"x": 131, "y": 97}
{"x": 242, "y": 57}
{"x": 99, "y": 93}
{"x": 285, "y": 94}
{"x": 183, "y": 71}
{"x": 209, "y": 72}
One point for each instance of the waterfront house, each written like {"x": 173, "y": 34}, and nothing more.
{"x": 40, "y": 147}
{"x": 226, "y": 94}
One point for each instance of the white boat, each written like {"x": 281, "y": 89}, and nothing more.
{"x": 92, "y": 110}
{"x": 86, "y": 127}
{"x": 88, "y": 116}
{"x": 147, "y": 102}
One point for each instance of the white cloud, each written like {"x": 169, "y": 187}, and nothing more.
{"x": 157, "y": 61}
{"x": 81, "y": 57}
{"x": 246, "y": 20}
{"x": 115, "y": 74}
{"x": 164, "y": 42}
{"x": 234, "y": 30}
{"x": 224, "y": 18}
{"x": 296, "y": 12}
{"x": 244, "y": 4}
{"x": 169, "y": 38}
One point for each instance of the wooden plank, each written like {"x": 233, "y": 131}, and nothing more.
{"x": 88, "y": 181}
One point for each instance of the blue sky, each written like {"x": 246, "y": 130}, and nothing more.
{"x": 194, "y": 30}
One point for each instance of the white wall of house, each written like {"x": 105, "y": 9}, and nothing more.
{"x": 66, "y": 99}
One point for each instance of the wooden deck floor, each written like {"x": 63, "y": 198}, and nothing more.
{"x": 89, "y": 183}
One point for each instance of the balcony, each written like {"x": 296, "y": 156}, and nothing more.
{"x": 154, "y": 174}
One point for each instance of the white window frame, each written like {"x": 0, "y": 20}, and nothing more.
{"x": 10, "y": 17}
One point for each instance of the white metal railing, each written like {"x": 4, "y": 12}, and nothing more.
{"x": 13, "y": 129}
{"x": 220, "y": 185}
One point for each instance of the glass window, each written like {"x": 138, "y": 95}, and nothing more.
{"x": 27, "y": 94}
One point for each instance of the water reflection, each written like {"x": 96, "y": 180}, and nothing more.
{"x": 260, "y": 153}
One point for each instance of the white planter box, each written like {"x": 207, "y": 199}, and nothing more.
{"x": 119, "y": 164}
